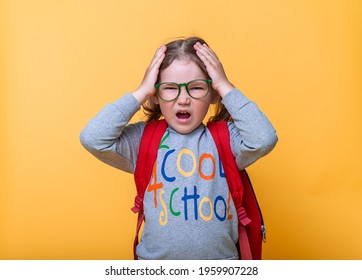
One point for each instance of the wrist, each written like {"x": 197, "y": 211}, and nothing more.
{"x": 225, "y": 89}
{"x": 141, "y": 95}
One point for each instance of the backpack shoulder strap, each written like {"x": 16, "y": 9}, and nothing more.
{"x": 220, "y": 133}
{"x": 147, "y": 155}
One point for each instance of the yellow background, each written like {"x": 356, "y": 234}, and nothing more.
{"x": 62, "y": 61}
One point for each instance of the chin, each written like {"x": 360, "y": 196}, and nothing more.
{"x": 184, "y": 129}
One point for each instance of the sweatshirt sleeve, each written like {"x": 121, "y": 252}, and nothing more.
{"x": 108, "y": 137}
{"x": 252, "y": 136}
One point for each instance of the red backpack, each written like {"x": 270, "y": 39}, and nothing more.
{"x": 251, "y": 225}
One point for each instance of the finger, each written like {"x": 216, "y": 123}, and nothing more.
{"x": 207, "y": 56}
{"x": 157, "y": 60}
{"x": 159, "y": 53}
{"x": 207, "y": 59}
{"x": 206, "y": 50}
{"x": 209, "y": 51}
{"x": 158, "y": 57}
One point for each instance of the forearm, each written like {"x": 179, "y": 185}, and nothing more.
{"x": 252, "y": 134}
{"x": 102, "y": 136}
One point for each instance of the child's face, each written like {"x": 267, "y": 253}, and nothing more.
{"x": 185, "y": 113}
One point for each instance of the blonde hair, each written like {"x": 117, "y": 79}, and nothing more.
{"x": 183, "y": 49}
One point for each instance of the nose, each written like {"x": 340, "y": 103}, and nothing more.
{"x": 184, "y": 97}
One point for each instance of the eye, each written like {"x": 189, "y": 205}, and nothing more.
{"x": 200, "y": 85}
{"x": 197, "y": 88}
{"x": 169, "y": 87}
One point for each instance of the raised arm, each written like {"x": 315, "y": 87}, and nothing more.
{"x": 108, "y": 136}
{"x": 252, "y": 135}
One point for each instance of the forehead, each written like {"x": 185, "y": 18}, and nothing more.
{"x": 182, "y": 71}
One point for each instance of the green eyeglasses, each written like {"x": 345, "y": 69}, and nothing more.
{"x": 196, "y": 89}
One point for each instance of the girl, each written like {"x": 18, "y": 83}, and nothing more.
{"x": 187, "y": 205}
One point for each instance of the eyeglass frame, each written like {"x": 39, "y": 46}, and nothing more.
{"x": 208, "y": 81}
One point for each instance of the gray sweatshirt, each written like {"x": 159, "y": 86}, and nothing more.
{"x": 189, "y": 212}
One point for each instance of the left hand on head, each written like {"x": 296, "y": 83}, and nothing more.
{"x": 220, "y": 83}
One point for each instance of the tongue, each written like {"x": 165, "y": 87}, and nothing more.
{"x": 183, "y": 115}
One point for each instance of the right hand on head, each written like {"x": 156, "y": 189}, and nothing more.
{"x": 147, "y": 88}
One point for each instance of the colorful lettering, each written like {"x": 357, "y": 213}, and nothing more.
{"x": 183, "y": 172}
{"x": 194, "y": 206}
{"x": 221, "y": 169}
{"x": 163, "y": 140}
{"x": 163, "y": 214}
{"x": 205, "y": 218}
{"x": 230, "y": 216}
{"x": 202, "y": 175}
{"x": 171, "y": 199}
{"x": 194, "y": 197}
{"x": 220, "y": 198}
{"x": 154, "y": 186}
{"x": 168, "y": 179}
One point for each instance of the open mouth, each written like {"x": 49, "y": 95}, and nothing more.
{"x": 183, "y": 115}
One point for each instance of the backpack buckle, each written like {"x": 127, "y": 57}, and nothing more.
{"x": 138, "y": 204}
{"x": 244, "y": 220}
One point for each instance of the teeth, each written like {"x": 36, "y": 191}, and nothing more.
{"x": 183, "y": 114}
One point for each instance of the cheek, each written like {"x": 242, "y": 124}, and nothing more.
{"x": 203, "y": 107}
{"x": 166, "y": 108}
